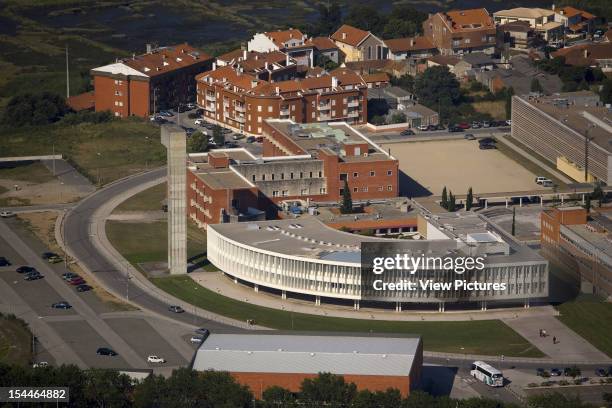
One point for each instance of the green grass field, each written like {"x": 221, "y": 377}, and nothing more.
{"x": 147, "y": 242}
{"x": 591, "y": 318}
{"x": 488, "y": 337}
{"x": 147, "y": 200}
{"x": 15, "y": 341}
{"x": 103, "y": 152}
{"x": 31, "y": 172}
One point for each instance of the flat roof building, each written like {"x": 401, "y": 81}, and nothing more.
{"x": 260, "y": 361}
{"x": 557, "y": 127}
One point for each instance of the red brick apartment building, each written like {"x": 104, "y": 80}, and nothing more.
{"x": 461, "y": 31}
{"x": 301, "y": 162}
{"x": 162, "y": 78}
{"x": 582, "y": 245}
{"x": 240, "y": 100}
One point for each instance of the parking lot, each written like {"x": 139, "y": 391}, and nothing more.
{"x": 457, "y": 164}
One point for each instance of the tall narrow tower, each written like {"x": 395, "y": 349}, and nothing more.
{"x": 175, "y": 140}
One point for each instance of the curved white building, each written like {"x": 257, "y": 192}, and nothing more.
{"x": 307, "y": 257}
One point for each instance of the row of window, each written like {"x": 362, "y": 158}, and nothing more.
{"x": 344, "y": 176}
{"x": 303, "y": 192}
{"x": 291, "y": 176}
{"x": 365, "y": 189}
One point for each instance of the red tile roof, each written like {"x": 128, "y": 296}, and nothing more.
{"x": 376, "y": 77}
{"x": 350, "y": 35}
{"x": 323, "y": 43}
{"x": 82, "y": 101}
{"x": 229, "y": 75}
{"x": 585, "y": 54}
{"x": 281, "y": 37}
{"x": 467, "y": 20}
{"x": 409, "y": 44}
{"x": 166, "y": 59}
{"x": 570, "y": 11}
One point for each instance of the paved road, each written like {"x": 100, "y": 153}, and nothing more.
{"x": 77, "y": 229}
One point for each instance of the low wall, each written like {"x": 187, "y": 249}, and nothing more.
{"x": 30, "y": 158}
{"x": 388, "y": 128}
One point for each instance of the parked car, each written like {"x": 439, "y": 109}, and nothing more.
{"x": 423, "y": 128}
{"x": 191, "y": 105}
{"x": 487, "y": 140}
{"x": 540, "y": 372}
{"x": 601, "y": 372}
{"x": 40, "y": 364}
{"x": 469, "y": 136}
{"x": 196, "y": 339}
{"x": 105, "y": 351}
{"x": 77, "y": 281}
{"x": 555, "y": 372}
{"x": 407, "y": 132}
{"x": 540, "y": 179}
{"x": 47, "y": 255}
{"x": 230, "y": 145}
{"x": 203, "y": 331}
{"x": 166, "y": 114}
{"x": 463, "y": 125}
{"x": 509, "y": 122}
{"x": 259, "y": 139}
{"x": 226, "y": 130}
{"x": 487, "y": 146}
{"x": 155, "y": 359}
{"x": 83, "y": 288}
{"x": 6, "y": 214}
{"x": 454, "y": 129}
{"x": 476, "y": 125}
{"x": 4, "y": 261}
{"x": 548, "y": 183}
{"x": 69, "y": 275}
{"x": 237, "y": 136}
{"x": 25, "y": 269}
{"x": 176, "y": 309}
{"x": 486, "y": 124}
{"x": 432, "y": 128}
{"x": 199, "y": 122}
{"x": 32, "y": 276}
{"x": 55, "y": 259}
{"x": 62, "y": 305}
{"x": 250, "y": 139}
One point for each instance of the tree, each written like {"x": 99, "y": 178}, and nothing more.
{"x": 346, "y": 207}
{"x": 452, "y": 202}
{"x": 513, "y": 221}
{"x": 587, "y": 203}
{"x": 330, "y": 18}
{"x": 197, "y": 143}
{"x": 469, "y": 200}
{"x": 598, "y": 194}
{"x": 404, "y": 21}
{"x": 278, "y": 397}
{"x": 406, "y": 82}
{"x": 34, "y": 109}
{"x": 536, "y": 86}
{"x": 444, "y": 199}
{"x": 438, "y": 89}
{"x": 218, "y": 136}
{"x": 398, "y": 117}
{"x": 328, "y": 389}
{"x": 606, "y": 91}
{"x": 366, "y": 17}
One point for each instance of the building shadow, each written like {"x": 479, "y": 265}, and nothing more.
{"x": 438, "y": 380}
{"x": 409, "y": 187}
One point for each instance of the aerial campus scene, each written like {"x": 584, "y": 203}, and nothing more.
{"x": 306, "y": 203}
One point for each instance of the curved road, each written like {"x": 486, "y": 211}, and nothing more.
{"x": 78, "y": 241}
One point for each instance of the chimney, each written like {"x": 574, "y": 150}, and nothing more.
{"x": 412, "y": 42}
{"x": 244, "y": 55}
{"x": 214, "y": 66}
{"x": 253, "y": 83}
{"x": 344, "y": 36}
{"x": 287, "y": 60}
{"x": 266, "y": 65}
{"x": 149, "y": 48}
{"x": 334, "y": 83}
{"x": 586, "y": 53}
{"x": 277, "y": 90}
{"x": 553, "y": 7}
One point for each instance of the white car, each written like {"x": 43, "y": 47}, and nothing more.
{"x": 423, "y": 128}
{"x": 196, "y": 339}
{"x": 199, "y": 122}
{"x": 540, "y": 179}
{"x": 40, "y": 364}
{"x": 6, "y": 214}
{"x": 155, "y": 359}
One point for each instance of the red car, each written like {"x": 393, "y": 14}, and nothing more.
{"x": 463, "y": 125}
{"x": 76, "y": 281}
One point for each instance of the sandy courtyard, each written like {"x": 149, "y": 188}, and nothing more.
{"x": 458, "y": 165}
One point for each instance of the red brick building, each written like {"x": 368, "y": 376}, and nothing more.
{"x": 162, "y": 78}
{"x": 305, "y": 163}
{"x": 461, "y": 31}
{"x": 234, "y": 98}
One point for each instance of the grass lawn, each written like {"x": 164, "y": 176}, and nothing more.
{"x": 31, "y": 172}
{"x": 103, "y": 152}
{"x": 15, "y": 341}
{"x": 148, "y": 242}
{"x": 147, "y": 200}
{"x": 488, "y": 337}
{"x": 591, "y": 318}
{"x": 497, "y": 109}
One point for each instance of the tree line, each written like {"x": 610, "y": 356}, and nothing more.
{"x": 212, "y": 389}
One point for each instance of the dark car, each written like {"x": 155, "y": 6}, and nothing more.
{"x": 250, "y": 139}
{"x": 32, "y": 276}
{"x": 76, "y": 281}
{"x": 182, "y": 108}
{"x": 469, "y": 136}
{"x": 487, "y": 140}
{"x": 105, "y": 351}
{"x": 62, "y": 305}
{"x": 4, "y": 261}
{"x": 487, "y": 146}
{"x": 601, "y": 372}
{"x": 83, "y": 288}
{"x": 203, "y": 331}
{"x": 555, "y": 372}
{"x": 25, "y": 269}
{"x": 540, "y": 372}
{"x": 454, "y": 129}
{"x": 176, "y": 309}
{"x": 407, "y": 132}
{"x": 432, "y": 128}
{"x": 49, "y": 255}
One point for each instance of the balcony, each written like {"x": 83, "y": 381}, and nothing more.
{"x": 239, "y": 108}
{"x": 353, "y": 114}
{"x": 211, "y": 98}
{"x": 239, "y": 119}
{"x": 226, "y": 104}
{"x": 284, "y": 112}
{"x": 324, "y": 106}
{"x": 353, "y": 104}
{"x": 324, "y": 117}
